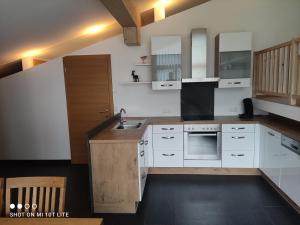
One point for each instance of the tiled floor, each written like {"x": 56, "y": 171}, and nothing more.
{"x": 175, "y": 199}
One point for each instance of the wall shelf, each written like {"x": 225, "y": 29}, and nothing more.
{"x": 135, "y": 83}
{"x": 143, "y": 64}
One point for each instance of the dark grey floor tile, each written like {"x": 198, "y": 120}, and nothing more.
{"x": 282, "y": 215}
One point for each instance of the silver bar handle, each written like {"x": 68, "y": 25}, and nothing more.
{"x": 168, "y": 137}
{"x": 164, "y": 128}
{"x": 237, "y": 155}
{"x": 141, "y": 142}
{"x": 238, "y": 137}
{"x": 142, "y": 153}
{"x": 294, "y": 147}
{"x": 168, "y": 154}
{"x": 271, "y": 134}
{"x": 238, "y": 128}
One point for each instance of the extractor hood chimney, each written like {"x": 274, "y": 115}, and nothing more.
{"x": 199, "y": 57}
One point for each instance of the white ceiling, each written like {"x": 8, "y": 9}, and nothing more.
{"x": 27, "y": 24}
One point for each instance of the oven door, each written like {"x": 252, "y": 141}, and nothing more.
{"x": 202, "y": 145}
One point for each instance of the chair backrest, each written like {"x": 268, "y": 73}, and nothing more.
{"x": 41, "y": 194}
{"x": 1, "y": 195}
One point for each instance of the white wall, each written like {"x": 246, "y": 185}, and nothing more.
{"x": 33, "y": 116}
{"x": 271, "y": 21}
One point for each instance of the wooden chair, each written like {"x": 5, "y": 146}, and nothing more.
{"x": 1, "y": 195}
{"x": 41, "y": 192}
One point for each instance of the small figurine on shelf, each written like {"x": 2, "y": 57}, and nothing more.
{"x": 143, "y": 58}
{"x": 134, "y": 76}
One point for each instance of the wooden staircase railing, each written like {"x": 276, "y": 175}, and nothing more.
{"x": 277, "y": 74}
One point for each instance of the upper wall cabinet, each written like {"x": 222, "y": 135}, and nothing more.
{"x": 166, "y": 45}
{"x": 233, "y": 59}
{"x": 166, "y": 62}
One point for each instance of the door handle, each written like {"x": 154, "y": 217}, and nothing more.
{"x": 104, "y": 111}
{"x": 142, "y": 153}
{"x": 141, "y": 142}
{"x": 146, "y": 142}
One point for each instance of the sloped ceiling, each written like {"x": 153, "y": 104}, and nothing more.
{"x": 30, "y": 24}
{"x": 56, "y": 26}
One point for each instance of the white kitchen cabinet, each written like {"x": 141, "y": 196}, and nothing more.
{"x": 236, "y": 41}
{"x": 168, "y": 145}
{"x": 175, "y": 128}
{"x": 165, "y": 45}
{"x": 148, "y": 146}
{"x": 245, "y": 128}
{"x": 238, "y": 145}
{"x": 143, "y": 170}
{"x": 271, "y": 159}
{"x": 168, "y": 158}
{"x": 166, "y": 62}
{"x": 238, "y": 141}
{"x": 290, "y": 174}
{"x": 233, "y": 59}
{"x": 235, "y": 83}
{"x": 171, "y": 141}
{"x": 166, "y": 85}
{"x": 238, "y": 159}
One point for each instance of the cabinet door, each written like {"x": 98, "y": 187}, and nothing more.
{"x": 142, "y": 168}
{"x": 162, "y": 45}
{"x": 148, "y": 147}
{"x": 272, "y": 155}
{"x": 290, "y": 175}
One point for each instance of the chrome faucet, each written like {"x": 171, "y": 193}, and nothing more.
{"x": 121, "y": 117}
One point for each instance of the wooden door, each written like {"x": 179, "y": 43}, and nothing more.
{"x": 89, "y": 98}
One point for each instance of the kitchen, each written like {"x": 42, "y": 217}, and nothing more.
{"x": 171, "y": 144}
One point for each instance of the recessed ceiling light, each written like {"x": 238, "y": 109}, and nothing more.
{"x": 32, "y": 52}
{"x": 93, "y": 29}
{"x": 163, "y": 3}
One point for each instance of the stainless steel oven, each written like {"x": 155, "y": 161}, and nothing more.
{"x": 202, "y": 141}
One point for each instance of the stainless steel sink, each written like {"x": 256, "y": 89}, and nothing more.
{"x": 130, "y": 124}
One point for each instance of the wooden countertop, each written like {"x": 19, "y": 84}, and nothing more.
{"x": 108, "y": 135}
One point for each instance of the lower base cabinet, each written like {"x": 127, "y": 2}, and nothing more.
{"x": 118, "y": 176}
{"x": 290, "y": 175}
{"x": 168, "y": 159}
{"x": 237, "y": 159}
{"x": 271, "y": 160}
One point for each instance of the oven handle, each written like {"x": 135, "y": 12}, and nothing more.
{"x": 201, "y": 135}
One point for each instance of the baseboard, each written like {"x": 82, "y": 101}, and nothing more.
{"x": 287, "y": 198}
{"x": 205, "y": 171}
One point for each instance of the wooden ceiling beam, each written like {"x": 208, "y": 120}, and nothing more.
{"x": 124, "y": 12}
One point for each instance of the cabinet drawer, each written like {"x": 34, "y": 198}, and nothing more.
{"x": 238, "y": 141}
{"x": 237, "y": 159}
{"x": 245, "y": 128}
{"x": 168, "y": 159}
{"x": 167, "y": 128}
{"x": 172, "y": 141}
{"x": 166, "y": 85}
{"x": 235, "y": 83}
